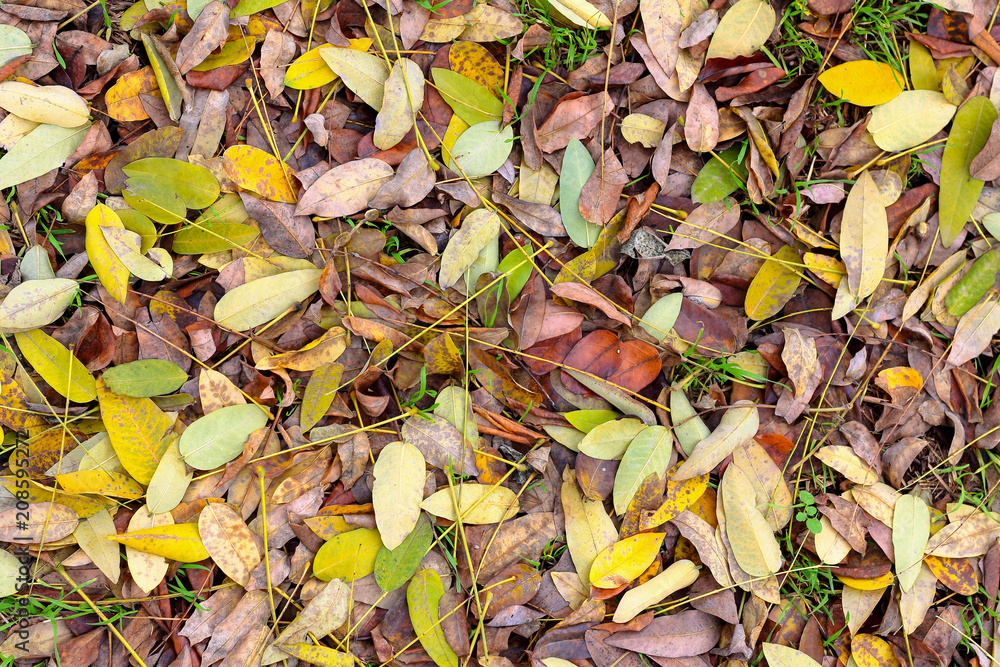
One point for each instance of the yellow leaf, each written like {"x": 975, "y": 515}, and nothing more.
{"x": 348, "y": 556}
{"x": 914, "y": 603}
{"x": 475, "y": 62}
{"x": 122, "y": 99}
{"x": 477, "y": 503}
{"x": 254, "y": 170}
{"x": 423, "y": 597}
{"x": 319, "y": 655}
{"x": 136, "y": 428}
{"x": 864, "y": 236}
{"x": 324, "y": 350}
{"x": 878, "y": 583}
{"x": 46, "y": 522}
{"x": 863, "y": 82}
{"x": 843, "y": 459}
{"x": 93, "y": 535}
{"x": 57, "y": 366}
{"x": 589, "y": 529}
{"x": 109, "y": 269}
{"x": 363, "y": 73}
{"x": 831, "y": 547}
{"x": 742, "y": 30}
{"x": 871, "y": 651}
{"x": 456, "y": 126}
{"x": 774, "y": 500}
{"x": 579, "y": 14}
{"x": 170, "y": 481}
{"x": 624, "y": 561}
{"x": 229, "y": 542}
{"x": 327, "y": 527}
{"x": 180, "y": 542}
{"x": 39, "y": 493}
{"x": 126, "y": 245}
{"x": 783, "y": 656}
{"x": 319, "y": 394}
{"x": 829, "y": 269}
{"x": 774, "y": 284}
{"x": 750, "y": 536}
{"x": 310, "y": 71}
{"x": 147, "y": 570}
{"x": 113, "y": 484}
{"x": 404, "y": 95}
{"x": 891, "y": 379}
{"x": 55, "y": 105}
{"x": 958, "y": 574}
{"x": 169, "y": 89}
{"x": 642, "y": 129}
{"x": 327, "y": 611}
{"x": 678, "y": 496}
{"x": 923, "y": 72}
{"x": 233, "y": 52}
{"x": 680, "y": 574}
{"x": 739, "y": 424}
{"x": 398, "y": 489}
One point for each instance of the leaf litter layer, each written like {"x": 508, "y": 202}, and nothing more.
{"x": 560, "y": 333}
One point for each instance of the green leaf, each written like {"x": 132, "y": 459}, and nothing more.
{"x": 195, "y": 185}
{"x": 423, "y": 596}
{"x": 912, "y": 520}
{"x": 260, "y": 301}
{"x": 481, "y": 149}
{"x": 348, "y": 556}
{"x": 14, "y": 43}
{"x": 145, "y": 378}
{"x": 169, "y": 482}
{"x": 659, "y": 319}
{"x": 198, "y": 238}
{"x": 688, "y": 426}
{"x": 471, "y": 101}
{"x": 519, "y": 277}
{"x": 40, "y": 151}
{"x": 718, "y": 179}
{"x": 648, "y": 453}
{"x": 319, "y": 394}
{"x": 587, "y": 420}
{"x": 974, "y": 285}
{"x": 136, "y": 222}
{"x": 959, "y": 191}
{"x": 577, "y": 166}
{"x": 169, "y": 89}
{"x": 154, "y": 198}
{"x": 250, "y": 7}
{"x": 608, "y": 441}
{"x": 218, "y": 437}
{"x": 395, "y": 567}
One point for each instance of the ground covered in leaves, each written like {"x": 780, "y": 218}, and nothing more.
{"x": 542, "y": 333}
